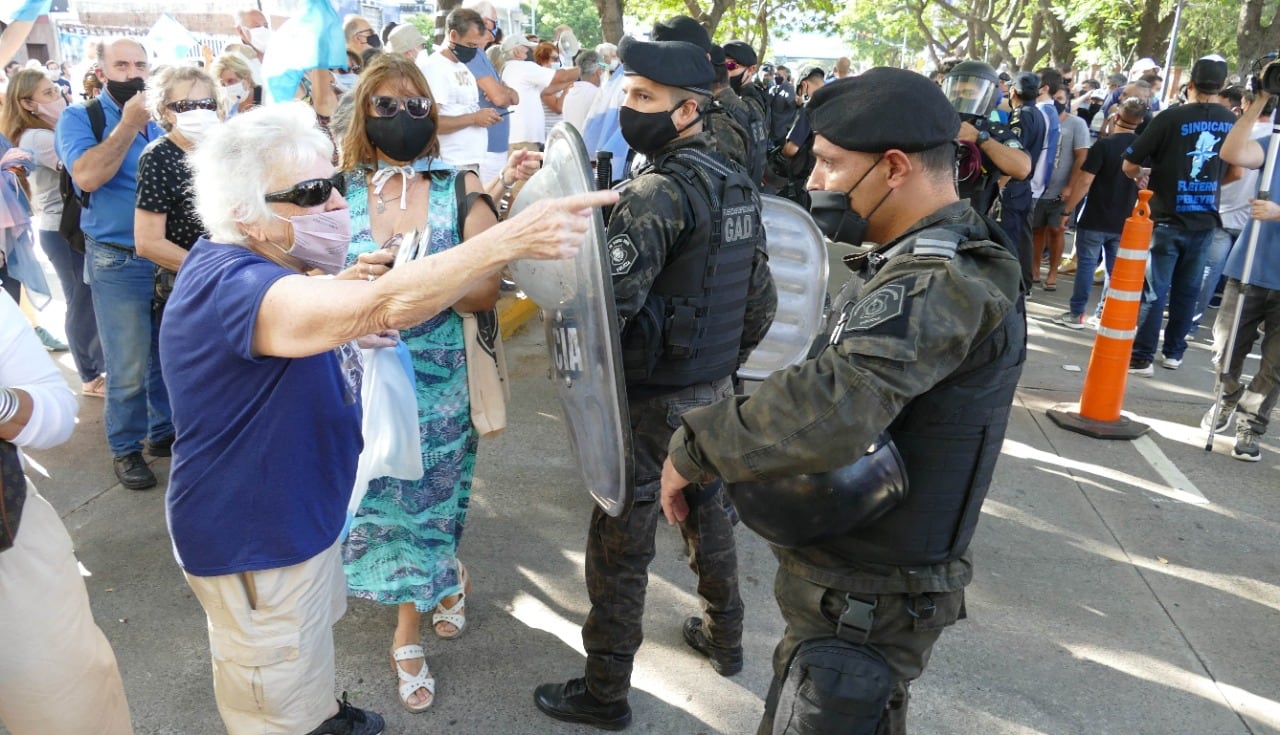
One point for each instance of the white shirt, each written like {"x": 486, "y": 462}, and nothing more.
{"x": 454, "y": 90}
{"x": 26, "y": 365}
{"x": 528, "y": 122}
{"x": 577, "y": 103}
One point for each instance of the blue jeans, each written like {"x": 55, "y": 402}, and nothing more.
{"x": 81, "y": 325}
{"x": 1174, "y": 272}
{"x": 137, "y": 401}
{"x": 1214, "y": 263}
{"x": 1091, "y": 246}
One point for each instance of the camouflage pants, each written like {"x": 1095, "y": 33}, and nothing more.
{"x": 619, "y": 550}
{"x": 903, "y": 632}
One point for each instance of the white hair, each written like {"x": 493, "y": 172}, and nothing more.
{"x": 484, "y": 7}
{"x": 233, "y": 166}
{"x": 607, "y": 51}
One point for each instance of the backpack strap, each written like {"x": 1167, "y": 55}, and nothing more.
{"x": 465, "y": 200}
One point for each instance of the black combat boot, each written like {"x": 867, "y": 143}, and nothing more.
{"x": 571, "y": 702}
{"x": 726, "y": 661}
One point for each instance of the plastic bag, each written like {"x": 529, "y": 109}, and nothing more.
{"x": 391, "y": 442}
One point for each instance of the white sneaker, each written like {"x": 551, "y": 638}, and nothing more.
{"x": 1172, "y": 363}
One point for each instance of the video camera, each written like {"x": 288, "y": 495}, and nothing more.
{"x": 1266, "y": 75}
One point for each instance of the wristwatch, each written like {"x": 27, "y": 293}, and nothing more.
{"x": 983, "y": 137}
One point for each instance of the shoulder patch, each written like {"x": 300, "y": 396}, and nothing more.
{"x": 878, "y": 307}
{"x": 622, "y": 255}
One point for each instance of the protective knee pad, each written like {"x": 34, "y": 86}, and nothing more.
{"x": 833, "y": 687}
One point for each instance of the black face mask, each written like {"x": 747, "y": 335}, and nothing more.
{"x": 833, "y": 215}
{"x": 648, "y": 132}
{"x": 1061, "y": 107}
{"x": 374, "y": 41}
{"x": 736, "y": 82}
{"x": 124, "y": 91}
{"x": 400, "y": 137}
{"x": 464, "y": 53}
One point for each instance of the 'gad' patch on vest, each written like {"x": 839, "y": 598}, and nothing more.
{"x": 622, "y": 255}
{"x": 882, "y": 305}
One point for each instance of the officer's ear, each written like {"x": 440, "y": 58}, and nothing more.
{"x": 900, "y": 167}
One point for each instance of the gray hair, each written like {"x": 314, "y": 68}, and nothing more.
{"x": 167, "y": 80}
{"x": 588, "y": 63}
{"x": 483, "y": 7}
{"x": 607, "y": 50}
{"x": 232, "y": 167}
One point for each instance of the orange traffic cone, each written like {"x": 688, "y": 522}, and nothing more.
{"x": 1098, "y": 412}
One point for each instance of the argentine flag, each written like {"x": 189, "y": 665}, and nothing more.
{"x": 14, "y": 10}
{"x": 601, "y": 131}
{"x": 311, "y": 40}
{"x": 168, "y": 41}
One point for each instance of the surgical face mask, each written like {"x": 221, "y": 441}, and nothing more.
{"x": 648, "y": 132}
{"x": 344, "y": 82}
{"x": 613, "y": 64}
{"x": 259, "y": 38}
{"x": 124, "y": 91}
{"x": 52, "y": 110}
{"x": 236, "y": 93}
{"x": 195, "y": 124}
{"x": 320, "y": 240}
{"x": 464, "y": 53}
{"x": 833, "y": 213}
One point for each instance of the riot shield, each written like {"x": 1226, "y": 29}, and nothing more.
{"x": 798, "y": 261}
{"x": 576, "y": 297}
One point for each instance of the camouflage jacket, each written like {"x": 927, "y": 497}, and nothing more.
{"x": 823, "y": 414}
{"x": 731, "y": 139}
{"x": 651, "y": 220}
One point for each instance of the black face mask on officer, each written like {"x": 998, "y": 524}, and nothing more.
{"x": 648, "y": 132}
{"x": 833, "y": 213}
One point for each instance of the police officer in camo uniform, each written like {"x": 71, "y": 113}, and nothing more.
{"x": 694, "y": 295}
{"x": 929, "y": 351}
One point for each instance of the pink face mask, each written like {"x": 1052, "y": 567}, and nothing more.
{"x": 52, "y": 110}
{"x": 321, "y": 240}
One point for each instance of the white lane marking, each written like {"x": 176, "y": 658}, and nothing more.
{"x": 1172, "y": 476}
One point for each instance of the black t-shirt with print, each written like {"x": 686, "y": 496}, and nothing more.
{"x": 1112, "y": 194}
{"x": 1181, "y": 145}
{"x": 164, "y": 187}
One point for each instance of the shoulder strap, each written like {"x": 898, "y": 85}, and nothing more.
{"x": 97, "y": 117}
{"x": 936, "y": 241}
{"x": 466, "y": 200}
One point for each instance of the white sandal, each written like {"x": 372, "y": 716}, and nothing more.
{"x": 455, "y": 614}
{"x": 410, "y": 683}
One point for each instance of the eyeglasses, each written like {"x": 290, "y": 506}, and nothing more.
{"x": 310, "y": 193}
{"x": 386, "y": 106}
{"x": 181, "y": 106}
{"x": 365, "y": 35}
{"x": 730, "y": 64}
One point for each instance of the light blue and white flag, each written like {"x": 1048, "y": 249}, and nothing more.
{"x": 601, "y": 131}
{"x": 11, "y": 10}
{"x": 310, "y": 40}
{"x": 168, "y": 41}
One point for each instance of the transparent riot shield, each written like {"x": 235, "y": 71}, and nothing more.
{"x": 798, "y": 261}
{"x": 576, "y": 297}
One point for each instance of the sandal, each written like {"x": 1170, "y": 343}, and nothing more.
{"x": 96, "y": 387}
{"x": 410, "y": 683}
{"x": 455, "y": 614}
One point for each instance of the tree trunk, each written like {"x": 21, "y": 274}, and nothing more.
{"x": 1153, "y": 31}
{"x": 1031, "y": 53}
{"x": 1253, "y": 39}
{"x": 610, "y": 19}
{"x": 442, "y": 11}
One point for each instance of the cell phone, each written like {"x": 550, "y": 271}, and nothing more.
{"x": 501, "y": 112}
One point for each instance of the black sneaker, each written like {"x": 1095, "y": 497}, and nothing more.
{"x": 132, "y": 471}
{"x": 350, "y": 721}
{"x": 571, "y": 702}
{"x": 1139, "y": 366}
{"x": 1246, "y": 448}
{"x": 726, "y": 661}
{"x": 162, "y": 448}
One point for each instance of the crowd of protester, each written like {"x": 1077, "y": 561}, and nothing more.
{"x": 414, "y": 138}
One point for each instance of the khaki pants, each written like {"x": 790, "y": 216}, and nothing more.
{"x": 58, "y": 675}
{"x": 271, "y": 637}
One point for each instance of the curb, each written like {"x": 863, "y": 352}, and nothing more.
{"x": 514, "y": 312}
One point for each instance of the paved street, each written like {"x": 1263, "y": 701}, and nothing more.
{"x": 1108, "y": 599}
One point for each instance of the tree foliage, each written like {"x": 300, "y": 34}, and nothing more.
{"x": 580, "y": 15}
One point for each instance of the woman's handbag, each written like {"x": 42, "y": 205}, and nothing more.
{"x": 486, "y": 372}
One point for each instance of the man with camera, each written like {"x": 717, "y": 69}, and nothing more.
{"x": 1255, "y": 401}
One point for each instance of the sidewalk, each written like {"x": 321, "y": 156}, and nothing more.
{"x": 1103, "y": 601}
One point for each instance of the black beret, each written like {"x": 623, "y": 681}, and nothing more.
{"x": 741, "y": 52}
{"x": 717, "y": 55}
{"x": 673, "y": 63}
{"x": 869, "y": 112}
{"x": 682, "y": 28}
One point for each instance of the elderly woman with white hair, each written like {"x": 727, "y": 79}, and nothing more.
{"x": 266, "y": 400}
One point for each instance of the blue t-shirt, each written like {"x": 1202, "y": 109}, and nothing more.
{"x": 266, "y": 447}
{"x": 499, "y": 132}
{"x": 109, "y": 216}
{"x": 1266, "y": 257}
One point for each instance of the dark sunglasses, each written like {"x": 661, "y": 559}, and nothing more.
{"x": 181, "y": 106}
{"x": 730, "y": 64}
{"x": 386, "y": 106}
{"x": 310, "y": 193}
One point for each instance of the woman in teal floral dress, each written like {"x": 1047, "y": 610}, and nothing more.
{"x": 402, "y": 549}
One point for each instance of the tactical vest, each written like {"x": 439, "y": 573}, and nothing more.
{"x": 758, "y": 140}
{"x": 690, "y": 329}
{"x": 758, "y": 105}
{"x": 949, "y": 438}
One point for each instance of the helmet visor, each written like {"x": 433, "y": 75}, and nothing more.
{"x": 971, "y": 95}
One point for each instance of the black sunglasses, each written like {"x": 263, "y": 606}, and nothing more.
{"x": 387, "y": 106}
{"x": 310, "y": 193}
{"x": 181, "y": 106}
